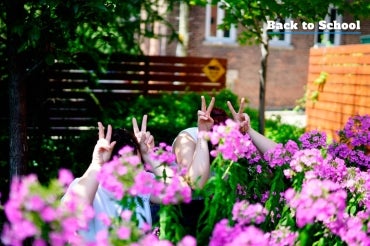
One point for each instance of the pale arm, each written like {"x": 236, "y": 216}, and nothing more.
{"x": 260, "y": 141}
{"x": 146, "y": 145}
{"x": 87, "y": 184}
{"x": 194, "y": 156}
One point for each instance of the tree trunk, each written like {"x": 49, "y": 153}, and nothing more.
{"x": 263, "y": 69}
{"x": 17, "y": 126}
{"x": 182, "y": 47}
{"x": 17, "y": 93}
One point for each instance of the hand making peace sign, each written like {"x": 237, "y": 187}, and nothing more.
{"x": 144, "y": 138}
{"x": 205, "y": 121}
{"x": 240, "y": 117}
{"x": 103, "y": 148}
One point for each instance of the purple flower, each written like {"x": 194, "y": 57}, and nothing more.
{"x": 354, "y": 141}
{"x": 331, "y": 168}
{"x": 356, "y": 130}
{"x": 246, "y": 213}
{"x": 313, "y": 140}
{"x": 281, "y": 154}
{"x": 305, "y": 160}
{"x": 357, "y": 182}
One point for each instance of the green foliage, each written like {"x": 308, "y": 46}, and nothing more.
{"x": 312, "y": 96}
{"x": 281, "y": 132}
{"x": 167, "y": 113}
{"x": 231, "y": 180}
{"x": 251, "y": 14}
{"x": 40, "y": 32}
{"x": 168, "y": 217}
{"x": 48, "y": 155}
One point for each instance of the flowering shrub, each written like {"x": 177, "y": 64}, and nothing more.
{"x": 34, "y": 212}
{"x": 353, "y": 145}
{"x": 309, "y": 192}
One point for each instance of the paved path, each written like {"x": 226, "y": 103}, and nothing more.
{"x": 288, "y": 116}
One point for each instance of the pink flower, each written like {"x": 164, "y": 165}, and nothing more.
{"x": 65, "y": 177}
{"x": 48, "y": 214}
{"x": 187, "y": 241}
{"x": 104, "y": 218}
{"x": 223, "y": 234}
{"x": 143, "y": 184}
{"x": 319, "y": 200}
{"x": 175, "y": 192}
{"x": 246, "y": 213}
{"x": 126, "y": 215}
{"x": 231, "y": 143}
{"x": 283, "y": 236}
{"x": 102, "y": 238}
{"x": 47, "y": 220}
{"x": 34, "y": 203}
{"x": 123, "y": 232}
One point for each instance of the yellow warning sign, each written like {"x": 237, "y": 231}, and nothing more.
{"x": 214, "y": 70}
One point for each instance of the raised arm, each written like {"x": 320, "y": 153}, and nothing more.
{"x": 87, "y": 184}
{"x": 260, "y": 141}
{"x": 146, "y": 144}
{"x": 193, "y": 154}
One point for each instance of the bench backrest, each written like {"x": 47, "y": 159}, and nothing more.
{"x": 75, "y": 94}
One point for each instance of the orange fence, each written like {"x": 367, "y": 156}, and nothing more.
{"x": 338, "y": 86}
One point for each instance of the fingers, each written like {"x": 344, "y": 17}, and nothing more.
{"x": 112, "y": 144}
{"x": 231, "y": 108}
{"x": 149, "y": 139}
{"x": 244, "y": 126}
{"x": 143, "y": 123}
{"x": 146, "y": 141}
{"x": 142, "y": 135}
{"x": 135, "y": 126}
{"x": 204, "y": 106}
{"x": 102, "y": 134}
{"x": 101, "y": 130}
{"x": 202, "y": 115}
{"x": 109, "y": 133}
{"x": 241, "y": 108}
{"x": 242, "y": 105}
{"x": 210, "y": 106}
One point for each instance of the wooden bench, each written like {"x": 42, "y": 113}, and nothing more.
{"x": 76, "y": 96}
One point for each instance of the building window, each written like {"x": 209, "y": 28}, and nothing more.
{"x": 329, "y": 37}
{"x": 280, "y": 37}
{"x": 214, "y": 17}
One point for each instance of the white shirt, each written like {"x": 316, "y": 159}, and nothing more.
{"x": 104, "y": 202}
{"x": 192, "y": 131}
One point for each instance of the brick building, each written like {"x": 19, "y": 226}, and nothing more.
{"x": 288, "y": 54}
